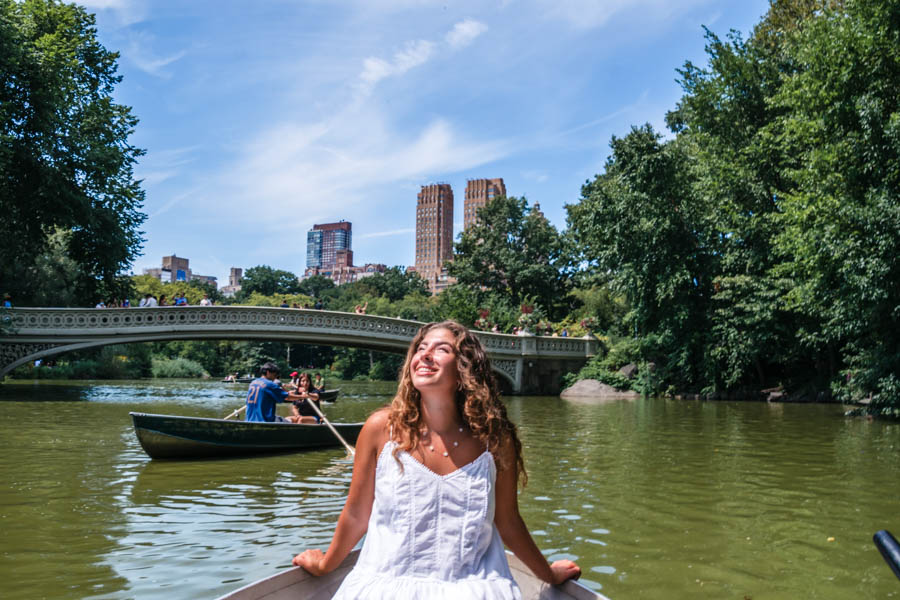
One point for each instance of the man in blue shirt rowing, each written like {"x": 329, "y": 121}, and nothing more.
{"x": 264, "y": 394}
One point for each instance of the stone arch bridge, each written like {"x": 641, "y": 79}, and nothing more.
{"x": 525, "y": 364}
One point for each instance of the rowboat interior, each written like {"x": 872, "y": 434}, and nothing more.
{"x": 296, "y": 584}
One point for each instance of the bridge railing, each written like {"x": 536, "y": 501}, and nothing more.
{"x": 67, "y": 325}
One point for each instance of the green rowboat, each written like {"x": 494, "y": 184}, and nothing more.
{"x": 175, "y": 437}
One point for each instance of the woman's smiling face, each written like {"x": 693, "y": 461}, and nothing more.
{"x": 433, "y": 366}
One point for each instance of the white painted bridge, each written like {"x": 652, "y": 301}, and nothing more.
{"x": 526, "y": 364}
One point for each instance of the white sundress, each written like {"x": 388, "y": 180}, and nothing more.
{"x": 431, "y": 536}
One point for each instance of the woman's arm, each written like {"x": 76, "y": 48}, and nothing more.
{"x": 514, "y": 532}
{"x": 354, "y": 519}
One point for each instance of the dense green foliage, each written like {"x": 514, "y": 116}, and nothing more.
{"x": 193, "y": 291}
{"x": 513, "y": 253}
{"x": 268, "y": 282}
{"x": 128, "y": 361}
{"x": 70, "y": 203}
{"x": 760, "y": 245}
{"x": 177, "y": 368}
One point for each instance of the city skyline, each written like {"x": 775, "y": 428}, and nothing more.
{"x": 260, "y": 120}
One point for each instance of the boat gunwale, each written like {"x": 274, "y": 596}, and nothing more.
{"x": 282, "y": 582}
{"x": 237, "y": 422}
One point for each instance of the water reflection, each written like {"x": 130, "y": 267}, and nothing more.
{"x": 224, "y": 517}
{"x": 55, "y": 501}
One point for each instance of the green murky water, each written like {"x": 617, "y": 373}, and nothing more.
{"x": 654, "y": 498}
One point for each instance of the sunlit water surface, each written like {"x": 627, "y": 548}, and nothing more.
{"x": 654, "y": 498}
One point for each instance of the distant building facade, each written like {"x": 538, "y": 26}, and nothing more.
{"x": 235, "y": 277}
{"x": 434, "y": 232}
{"x": 341, "y": 274}
{"x": 478, "y": 193}
{"x": 329, "y": 244}
{"x": 175, "y": 268}
{"x": 329, "y": 253}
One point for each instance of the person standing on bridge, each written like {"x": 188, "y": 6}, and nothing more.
{"x": 264, "y": 394}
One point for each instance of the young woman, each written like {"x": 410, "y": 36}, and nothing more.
{"x": 301, "y": 411}
{"x": 434, "y": 485}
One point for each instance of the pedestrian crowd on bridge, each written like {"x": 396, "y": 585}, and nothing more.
{"x": 150, "y": 301}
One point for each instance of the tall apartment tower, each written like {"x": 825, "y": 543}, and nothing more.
{"x": 434, "y": 231}
{"x": 329, "y": 244}
{"x": 478, "y": 193}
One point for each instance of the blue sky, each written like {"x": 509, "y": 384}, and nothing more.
{"x": 263, "y": 118}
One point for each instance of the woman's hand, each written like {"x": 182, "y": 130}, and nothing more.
{"x": 563, "y": 570}
{"x": 311, "y": 560}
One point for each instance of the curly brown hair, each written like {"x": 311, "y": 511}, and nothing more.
{"x": 477, "y": 400}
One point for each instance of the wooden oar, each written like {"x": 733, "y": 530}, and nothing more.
{"x": 237, "y": 412}
{"x": 349, "y": 448}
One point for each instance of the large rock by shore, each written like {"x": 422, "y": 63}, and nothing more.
{"x": 591, "y": 389}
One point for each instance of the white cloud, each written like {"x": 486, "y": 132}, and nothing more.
{"x": 327, "y": 167}
{"x": 194, "y": 195}
{"x": 588, "y": 14}
{"x": 145, "y": 59}
{"x": 126, "y": 12}
{"x": 464, "y": 33}
{"x": 375, "y": 69}
{"x": 536, "y": 176}
{"x": 387, "y": 233}
{"x": 158, "y": 166}
{"x": 616, "y": 115}
{"x": 415, "y": 53}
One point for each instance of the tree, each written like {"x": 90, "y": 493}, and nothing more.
{"x": 395, "y": 283}
{"x": 53, "y": 273}
{"x": 514, "y": 252}
{"x": 599, "y": 302}
{"x": 268, "y": 282}
{"x": 839, "y": 219}
{"x": 638, "y": 225}
{"x": 315, "y": 285}
{"x": 65, "y": 161}
{"x": 737, "y": 171}
{"x": 208, "y": 289}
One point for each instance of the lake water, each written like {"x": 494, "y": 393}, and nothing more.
{"x": 654, "y": 498}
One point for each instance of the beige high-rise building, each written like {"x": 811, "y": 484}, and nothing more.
{"x": 434, "y": 233}
{"x": 478, "y": 193}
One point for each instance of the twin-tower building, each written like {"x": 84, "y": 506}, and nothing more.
{"x": 434, "y": 225}
{"x": 329, "y": 245}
